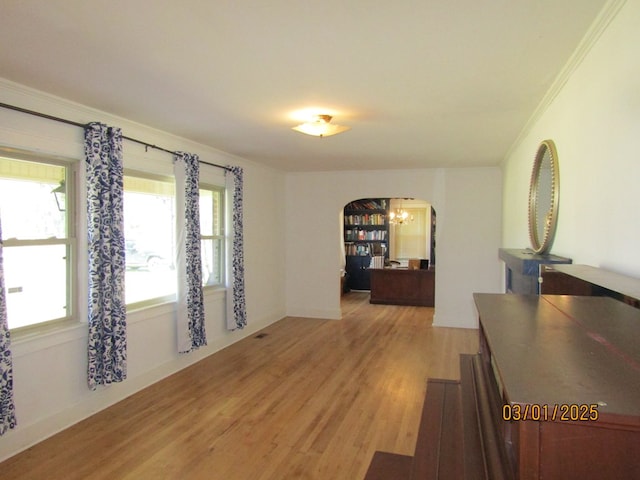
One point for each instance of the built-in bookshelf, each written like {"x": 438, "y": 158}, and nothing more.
{"x": 366, "y": 227}
{"x": 366, "y": 234}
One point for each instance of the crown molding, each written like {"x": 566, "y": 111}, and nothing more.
{"x": 595, "y": 31}
{"x": 23, "y": 96}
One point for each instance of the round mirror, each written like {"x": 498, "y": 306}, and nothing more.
{"x": 543, "y": 197}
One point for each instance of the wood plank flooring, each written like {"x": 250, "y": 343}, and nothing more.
{"x": 313, "y": 399}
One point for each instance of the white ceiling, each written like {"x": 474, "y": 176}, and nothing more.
{"x": 422, "y": 83}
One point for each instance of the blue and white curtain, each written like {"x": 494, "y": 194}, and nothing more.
{"x": 107, "y": 349}
{"x": 236, "y": 305}
{"x": 190, "y": 303}
{"x": 7, "y": 407}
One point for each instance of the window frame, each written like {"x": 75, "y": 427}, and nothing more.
{"x": 74, "y": 192}
{"x": 162, "y": 299}
{"x": 70, "y": 239}
{"x": 222, "y": 238}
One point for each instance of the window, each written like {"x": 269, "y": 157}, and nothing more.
{"x": 39, "y": 245}
{"x": 149, "y": 231}
{"x": 36, "y": 211}
{"x": 212, "y": 234}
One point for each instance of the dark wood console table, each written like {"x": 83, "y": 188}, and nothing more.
{"x": 572, "y": 364}
{"x": 401, "y": 286}
{"x": 591, "y": 281}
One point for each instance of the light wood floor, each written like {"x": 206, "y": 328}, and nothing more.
{"x": 311, "y": 400}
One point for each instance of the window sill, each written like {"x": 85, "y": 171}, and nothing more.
{"x": 149, "y": 310}
{"x": 45, "y": 336}
{"x": 209, "y": 290}
{"x": 41, "y": 337}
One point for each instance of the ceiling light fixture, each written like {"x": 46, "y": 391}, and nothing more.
{"x": 400, "y": 216}
{"x": 320, "y": 126}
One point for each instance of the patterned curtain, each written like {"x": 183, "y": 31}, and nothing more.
{"x": 7, "y": 407}
{"x": 190, "y": 309}
{"x": 107, "y": 349}
{"x": 236, "y": 306}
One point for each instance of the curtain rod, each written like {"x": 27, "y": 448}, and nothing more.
{"x": 81, "y": 125}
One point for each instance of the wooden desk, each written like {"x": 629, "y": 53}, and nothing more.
{"x": 400, "y": 286}
{"x": 539, "y": 352}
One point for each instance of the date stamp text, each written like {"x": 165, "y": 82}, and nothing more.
{"x": 564, "y": 412}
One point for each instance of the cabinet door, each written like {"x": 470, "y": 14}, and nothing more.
{"x": 358, "y": 269}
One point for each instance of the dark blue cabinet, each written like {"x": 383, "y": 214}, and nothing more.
{"x": 358, "y": 274}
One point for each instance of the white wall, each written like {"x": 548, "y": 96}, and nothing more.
{"x": 467, "y": 204}
{"x": 594, "y": 120}
{"x": 50, "y": 368}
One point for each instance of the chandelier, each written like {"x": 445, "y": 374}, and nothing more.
{"x": 400, "y": 216}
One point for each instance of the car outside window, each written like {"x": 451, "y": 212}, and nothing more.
{"x": 149, "y": 230}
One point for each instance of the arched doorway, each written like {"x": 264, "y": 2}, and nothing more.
{"x": 393, "y": 240}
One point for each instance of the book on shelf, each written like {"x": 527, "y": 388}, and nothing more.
{"x": 363, "y": 249}
{"x": 365, "y": 219}
{"x": 377, "y": 261}
{"x": 368, "y": 204}
{"x": 357, "y": 234}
